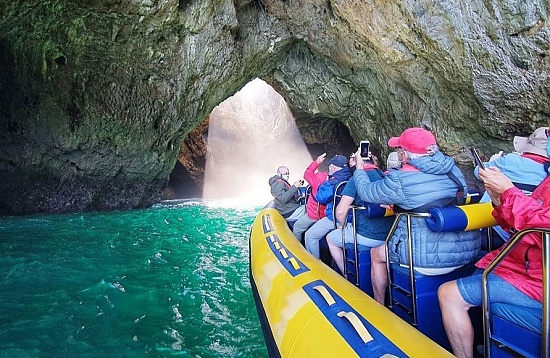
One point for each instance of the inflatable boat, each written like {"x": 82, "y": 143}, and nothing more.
{"x": 308, "y": 310}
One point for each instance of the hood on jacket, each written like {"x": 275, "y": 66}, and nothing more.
{"x": 273, "y": 179}
{"x": 341, "y": 175}
{"x": 438, "y": 163}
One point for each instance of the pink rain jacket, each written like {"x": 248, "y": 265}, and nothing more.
{"x": 314, "y": 210}
{"x": 523, "y": 266}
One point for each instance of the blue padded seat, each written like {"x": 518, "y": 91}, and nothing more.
{"x": 516, "y": 327}
{"x": 364, "y": 283}
{"x": 429, "y": 319}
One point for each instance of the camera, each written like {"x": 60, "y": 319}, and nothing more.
{"x": 364, "y": 149}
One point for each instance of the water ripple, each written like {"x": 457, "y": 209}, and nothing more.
{"x": 161, "y": 282}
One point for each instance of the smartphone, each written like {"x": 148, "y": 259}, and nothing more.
{"x": 364, "y": 147}
{"x": 477, "y": 159}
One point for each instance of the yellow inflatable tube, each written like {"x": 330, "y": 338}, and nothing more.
{"x": 308, "y": 310}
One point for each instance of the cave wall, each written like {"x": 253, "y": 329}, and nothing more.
{"x": 97, "y": 96}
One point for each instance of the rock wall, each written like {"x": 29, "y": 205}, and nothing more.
{"x": 97, "y": 96}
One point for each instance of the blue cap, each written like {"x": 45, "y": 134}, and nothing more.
{"x": 339, "y": 160}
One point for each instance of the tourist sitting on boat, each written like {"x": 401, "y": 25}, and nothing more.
{"x": 314, "y": 210}
{"x": 338, "y": 172}
{"x": 371, "y": 232}
{"x": 286, "y": 197}
{"x": 518, "y": 279}
{"x": 525, "y": 168}
{"x": 427, "y": 179}
{"x": 352, "y": 164}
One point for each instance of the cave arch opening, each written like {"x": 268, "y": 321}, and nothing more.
{"x": 234, "y": 152}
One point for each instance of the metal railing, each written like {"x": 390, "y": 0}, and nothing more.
{"x": 408, "y": 216}
{"x": 486, "y": 305}
{"x": 335, "y": 199}
{"x": 354, "y": 210}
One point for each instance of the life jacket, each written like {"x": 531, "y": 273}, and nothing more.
{"x": 287, "y": 184}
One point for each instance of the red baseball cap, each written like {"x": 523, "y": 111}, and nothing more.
{"x": 415, "y": 140}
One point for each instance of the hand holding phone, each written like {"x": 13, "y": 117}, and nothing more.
{"x": 477, "y": 159}
{"x": 364, "y": 149}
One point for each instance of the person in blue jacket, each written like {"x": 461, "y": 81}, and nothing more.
{"x": 338, "y": 172}
{"x": 525, "y": 168}
{"x": 369, "y": 232}
{"x": 427, "y": 179}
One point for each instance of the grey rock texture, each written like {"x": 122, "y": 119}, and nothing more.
{"x": 97, "y": 96}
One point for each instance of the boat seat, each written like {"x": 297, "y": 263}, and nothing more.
{"x": 303, "y": 193}
{"x": 359, "y": 274}
{"x": 512, "y": 330}
{"x": 413, "y": 296}
{"x": 517, "y": 329}
{"x": 427, "y": 315}
{"x": 526, "y": 317}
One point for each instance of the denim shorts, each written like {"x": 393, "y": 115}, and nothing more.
{"x": 336, "y": 237}
{"x": 500, "y": 291}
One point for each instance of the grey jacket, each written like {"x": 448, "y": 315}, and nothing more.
{"x": 285, "y": 196}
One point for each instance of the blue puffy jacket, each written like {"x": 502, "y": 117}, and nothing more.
{"x": 420, "y": 182}
{"x": 522, "y": 171}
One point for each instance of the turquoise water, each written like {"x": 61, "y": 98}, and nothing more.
{"x": 166, "y": 281}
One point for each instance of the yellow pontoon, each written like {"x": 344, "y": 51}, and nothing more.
{"x": 309, "y": 310}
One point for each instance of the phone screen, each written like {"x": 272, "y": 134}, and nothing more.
{"x": 365, "y": 148}
{"x": 477, "y": 159}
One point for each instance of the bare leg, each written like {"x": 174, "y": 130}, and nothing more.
{"x": 456, "y": 320}
{"x": 337, "y": 254}
{"x": 379, "y": 273}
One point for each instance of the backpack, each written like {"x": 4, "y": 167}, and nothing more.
{"x": 325, "y": 192}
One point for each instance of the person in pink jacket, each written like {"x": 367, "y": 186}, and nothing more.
{"x": 518, "y": 279}
{"x": 314, "y": 210}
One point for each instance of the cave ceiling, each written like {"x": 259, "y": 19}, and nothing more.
{"x": 97, "y": 96}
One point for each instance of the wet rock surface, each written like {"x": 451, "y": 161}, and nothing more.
{"x": 97, "y": 96}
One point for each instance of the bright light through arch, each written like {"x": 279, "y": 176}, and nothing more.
{"x": 250, "y": 135}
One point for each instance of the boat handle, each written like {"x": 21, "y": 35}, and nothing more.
{"x": 397, "y": 303}
{"x": 326, "y": 295}
{"x": 401, "y": 289}
{"x": 359, "y": 327}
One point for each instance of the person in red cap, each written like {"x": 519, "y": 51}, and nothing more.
{"x": 426, "y": 179}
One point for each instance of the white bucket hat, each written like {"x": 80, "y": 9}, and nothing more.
{"x": 535, "y": 143}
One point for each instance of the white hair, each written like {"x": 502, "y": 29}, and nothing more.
{"x": 393, "y": 161}
{"x": 429, "y": 151}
